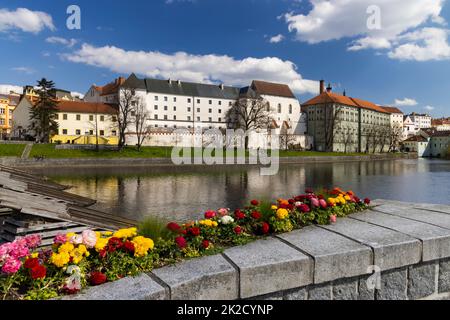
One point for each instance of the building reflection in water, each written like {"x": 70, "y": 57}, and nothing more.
{"x": 184, "y": 193}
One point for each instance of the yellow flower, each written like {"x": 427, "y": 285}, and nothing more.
{"x": 60, "y": 259}
{"x": 82, "y": 248}
{"x": 208, "y": 223}
{"x": 347, "y": 198}
{"x": 70, "y": 235}
{"x": 77, "y": 256}
{"x": 142, "y": 245}
{"x": 107, "y": 233}
{"x": 332, "y": 200}
{"x": 125, "y": 233}
{"x": 274, "y": 207}
{"x": 34, "y": 255}
{"x": 101, "y": 243}
{"x": 66, "y": 248}
{"x": 282, "y": 214}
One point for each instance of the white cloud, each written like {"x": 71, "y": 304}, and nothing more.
{"x": 276, "y": 39}
{"x": 198, "y": 68}
{"x": 65, "y": 42}
{"x": 429, "y": 108}
{"x": 25, "y": 20}
{"x": 7, "y": 88}
{"x": 406, "y": 102}
{"x": 423, "y": 45}
{"x": 338, "y": 19}
{"x": 26, "y": 70}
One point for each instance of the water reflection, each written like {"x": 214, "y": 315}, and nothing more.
{"x": 183, "y": 193}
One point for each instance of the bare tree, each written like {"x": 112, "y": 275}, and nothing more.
{"x": 127, "y": 98}
{"x": 249, "y": 114}
{"x": 332, "y": 120}
{"x": 140, "y": 117}
{"x": 347, "y": 138}
{"x": 395, "y": 137}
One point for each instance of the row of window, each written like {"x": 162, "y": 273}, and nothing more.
{"x": 77, "y": 132}
{"x": 189, "y": 100}
{"x": 2, "y": 122}
{"x": 189, "y": 118}
{"x": 78, "y": 117}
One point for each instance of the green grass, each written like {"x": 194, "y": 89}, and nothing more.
{"x": 11, "y": 150}
{"x": 49, "y": 151}
{"x": 154, "y": 228}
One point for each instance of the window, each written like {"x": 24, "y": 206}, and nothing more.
{"x": 210, "y": 110}
{"x": 220, "y": 120}
{"x": 102, "y": 118}
{"x": 2, "y": 111}
{"x": 174, "y": 99}
{"x": 220, "y": 103}
{"x": 64, "y": 117}
{"x": 91, "y": 117}
{"x": 114, "y": 118}
{"x": 220, "y": 110}
{"x": 156, "y": 117}
{"x": 133, "y": 113}
{"x": 210, "y": 119}
{"x": 165, "y": 108}
{"x": 165, "y": 99}
{"x": 56, "y": 116}
{"x": 189, "y": 100}
{"x": 174, "y": 117}
{"x": 78, "y": 132}
{"x": 198, "y": 100}
{"x": 279, "y": 108}
{"x": 230, "y": 103}
{"x": 290, "y": 108}
{"x": 156, "y": 98}
{"x": 156, "y": 107}
{"x": 114, "y": 133}
{"x": 64, "y": 131}
{"x": 78, "y": 117}
{"x": 165, "y": 117}
{"x": 189, "y": 118}
{"x": 102, "y": 132}
{"x": 174, "y": 108}
{"x": 198, "y": 118}
{"x": 210, "y": 101}
{"x": 91, "y": 132}
{"x": 198, "y": 109}
{"x": 189, "y": 109}
{"x": 2, "y": 121}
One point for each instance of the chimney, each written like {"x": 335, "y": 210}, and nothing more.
{"x": 344, "y": 93}
{"x": 322, "y": 86}
{"x": 329, "y": 88}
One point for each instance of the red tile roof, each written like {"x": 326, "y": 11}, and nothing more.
{"x": 86, "y": 107}
{"x": 110, "y": 88}
{"x": 440, "y": 122}
{"x": 272, "y": 89}
{"x": 330, "y": 97}
{"x": 392, "y": 110}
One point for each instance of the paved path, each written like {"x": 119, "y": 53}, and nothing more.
{"x": 26, "y": 151}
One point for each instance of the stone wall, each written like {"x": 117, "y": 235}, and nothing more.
{"x": 396, "y": 251}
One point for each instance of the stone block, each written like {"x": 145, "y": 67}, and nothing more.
{"x": 391, "y": 249}
{"x": 207, "y": 278}
{"x": 142, "y": 287}
{"x": 335, "y": 256}
{"x": 296, "y": 294}
{"x": 346, "y": 289}
{"x": 364, "y": 291}
{"x": 422, "y": 281}
{"x": 268, "y": 266}
{"x": 321, "y": 292}
{"x": 394, "y": 285}
{"x": 444, "y": 276}
{"x": 435, "y": 240}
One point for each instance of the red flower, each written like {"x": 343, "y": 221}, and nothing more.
{"x": 284, "y": 206}
{"x": 265, "y": 228}
{"x": 304, "y": 208}
{"x": 195, "y": 231}
{"x": 367, "y": 201}
{"x": 38, "y": 272}
{"x": 210, "y": 214}
{"x": 129, "y": 246}
{"x": 239, "y": 215}
{"x": 309, "y": 190}
{"x": 238, "y": 230}
{"x": 256, "y": 215}
{"x": 357, "y": 199}
{"x": 321, "y": 197}
{"x": 31, "y": 263}
{"x": 97, "y": 278}
{"x": 114, "y": 244}
{"x": 181, "y": 242}
{"x": 255, "y": 203}
{"x": 205, "y": 244}
{"x": 174, "y": 227}
{"x": 102, "y": 253}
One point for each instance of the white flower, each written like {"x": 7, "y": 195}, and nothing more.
{"x": 89, "y": 238}
{"x": 76, "y": 239}
{"x": 298, "y": 204}
{"x": 226, "y": 220}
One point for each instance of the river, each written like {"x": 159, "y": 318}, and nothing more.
{"x": 185, "y": 193}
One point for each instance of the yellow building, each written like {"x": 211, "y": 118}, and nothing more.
{"x": 7, "y": 105}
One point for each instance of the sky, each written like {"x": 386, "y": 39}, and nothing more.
{"x": 391, "y": 52}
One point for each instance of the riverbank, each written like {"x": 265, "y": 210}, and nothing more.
{"x": 158, "y": 161}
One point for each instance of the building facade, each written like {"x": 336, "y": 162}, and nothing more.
{"x": 441, "y": 124}
{"x": 421, "y": 121}
{"x": 339, "y": 123}
{"x": 78, "y": 122}
{"x": 108, "y": 93}
{"x": 7, "y": 105}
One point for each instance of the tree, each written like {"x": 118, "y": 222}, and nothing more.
{"x": 127, "y": 97}
{"x": 332, "y": 120}
{"x": 43, "y": 114}
{"x": 249, "y": 114}
{"x": 395, "y": 137}
{"x": 347, "y": 138}
{"x": 140, "y": 118}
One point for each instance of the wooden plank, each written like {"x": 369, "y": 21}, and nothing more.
{"x": 39, "y": 228}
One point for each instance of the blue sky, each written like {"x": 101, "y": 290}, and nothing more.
{"x": 404, "y": 62}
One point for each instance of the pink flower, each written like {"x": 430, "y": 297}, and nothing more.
{"x": 17, "y": 250}
{"x": 60, "y": 239}
{"x": 33, "y": 241}
{"x": 223, "y": 212}
{"x": 89, "y": 238}
{"x": 315, "y": 202}
{"x": 323, "y": 203}
{"x": 210, "y": 214}
{"x": 4, "y": 251}
{"x": 11, "y": 266}
{"x": 333, "y": 219}
{"x": 76, "y": 239}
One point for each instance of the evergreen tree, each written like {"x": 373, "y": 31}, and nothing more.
{"x": 43, "y": 115}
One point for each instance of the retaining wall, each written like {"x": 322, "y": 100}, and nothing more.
{"x": 407, "y": 245}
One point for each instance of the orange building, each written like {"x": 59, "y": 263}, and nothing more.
{"x": 7, "y": 105}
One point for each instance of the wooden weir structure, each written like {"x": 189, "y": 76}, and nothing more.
{"x": 34, "y": 205}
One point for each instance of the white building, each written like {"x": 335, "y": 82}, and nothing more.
{"x": 409, "y": 128}
{"x": 177, "y": 104}
{"x": 421, "y": 121}
{"x": 108, "y": 93}
{"x": 441, "y": 124}
{"x": 397, "y": 116}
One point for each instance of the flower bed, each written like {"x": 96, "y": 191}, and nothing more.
{"x": 92, "y": 258}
